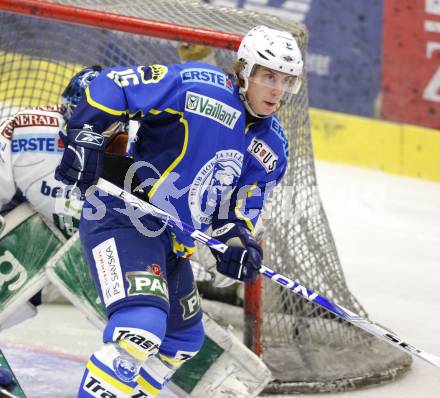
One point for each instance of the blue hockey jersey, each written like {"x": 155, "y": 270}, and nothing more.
{"x": 200, "y": 161}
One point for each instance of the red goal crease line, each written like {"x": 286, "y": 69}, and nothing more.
{"x": 123, "y": 23}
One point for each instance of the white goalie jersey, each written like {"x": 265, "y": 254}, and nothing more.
{"x": 30, "y": 150}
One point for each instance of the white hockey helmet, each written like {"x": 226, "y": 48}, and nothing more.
{"x": 273, "y": 49}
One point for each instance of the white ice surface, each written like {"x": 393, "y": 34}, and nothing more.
{"x": 387, "y": 230}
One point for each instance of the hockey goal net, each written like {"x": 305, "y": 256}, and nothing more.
{"x": 43, "y": 43}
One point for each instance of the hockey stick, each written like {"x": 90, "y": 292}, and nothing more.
{"x": 6, "y": 394}
{"x": 282, "y": 280}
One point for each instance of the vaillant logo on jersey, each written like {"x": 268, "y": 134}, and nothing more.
{"x": 212, "y": 109}
{"x": 264, "y": 154}
{"x": 207, "y": 76}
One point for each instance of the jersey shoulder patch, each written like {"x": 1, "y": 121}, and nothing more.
{"x": 275, "y": 127}
{"x": 207, "y": 75}
{"x": 265, "y": 155}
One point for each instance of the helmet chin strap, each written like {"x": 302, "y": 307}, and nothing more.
{"x": 248, "y": 107}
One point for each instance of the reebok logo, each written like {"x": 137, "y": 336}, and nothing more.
{"x": 212, "y": 109}
{"x": 222, "y": 230}
{"x": 89, "y": 137}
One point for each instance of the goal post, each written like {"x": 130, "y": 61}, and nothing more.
{"x": 43, "y": 43}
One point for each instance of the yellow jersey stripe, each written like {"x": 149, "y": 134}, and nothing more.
{"x": 252, "y": 189}
{"x": 241, "y": 216}
{"x": 104, "y": 108}
{"x": 176, "y": 161}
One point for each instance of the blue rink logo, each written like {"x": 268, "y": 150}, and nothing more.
{"x": 207, "y": 76}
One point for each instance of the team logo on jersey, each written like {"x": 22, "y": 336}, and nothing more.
{"x": 214, "y": 184}
{"x": 147, "y": 283}
{"x": 109, "y": 271}
{"x": 153, "y": 73}
{"x": 125, "y": 368}
{"x": 207, "y": 76}
{"x": 263, "y": 153}
{"x": 191, "y": 304}
{"x": 212, "y": 109}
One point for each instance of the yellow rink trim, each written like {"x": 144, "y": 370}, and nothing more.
{"x": 391, "y": 147}
{"x": 29, "y": 81}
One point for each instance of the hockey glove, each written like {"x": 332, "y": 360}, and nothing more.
{"x": 242, "y": 259}
{"x": 82, "y": 160}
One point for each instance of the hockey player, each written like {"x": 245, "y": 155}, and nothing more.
{"x": 30, "y": 150}
{"x": 209, "y": 148}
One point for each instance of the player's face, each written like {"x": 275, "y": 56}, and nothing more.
{"x": 266, "y": 89}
